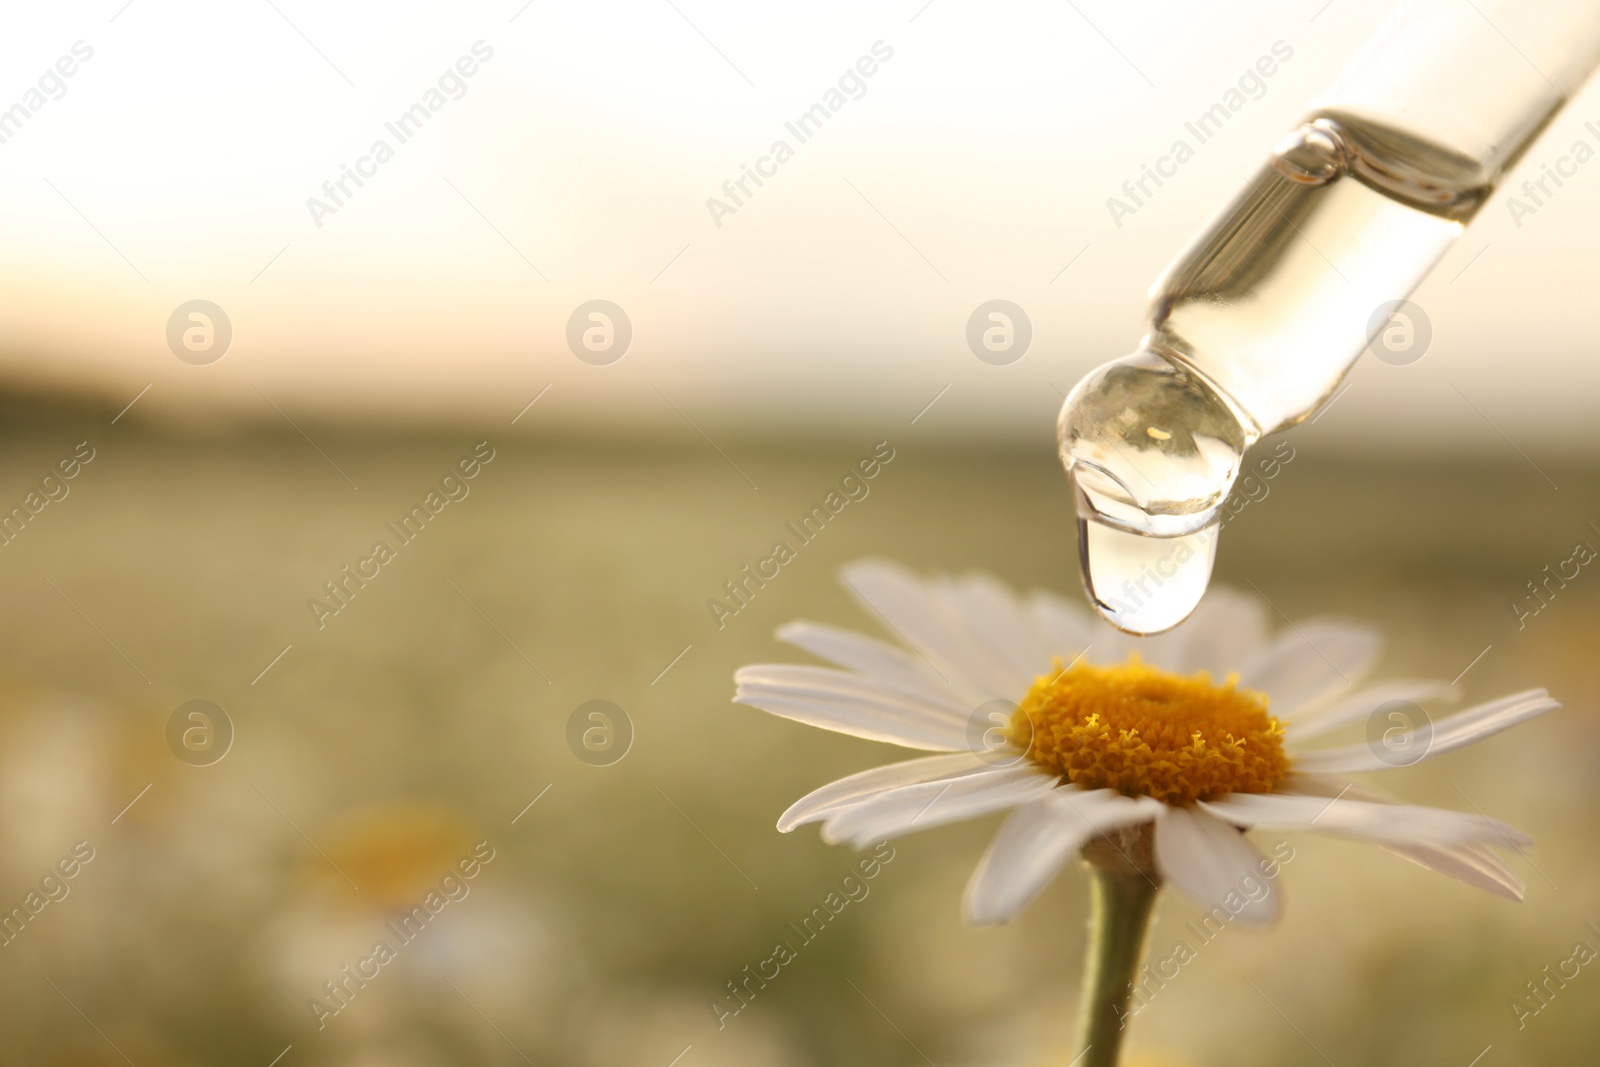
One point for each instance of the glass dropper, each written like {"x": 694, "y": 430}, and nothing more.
{"x": 1255, "y": 324}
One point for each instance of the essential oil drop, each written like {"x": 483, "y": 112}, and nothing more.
{"x": 1252, "y": 329}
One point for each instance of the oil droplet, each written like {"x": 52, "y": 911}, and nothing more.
{"x": 1249, "y": 331}
{"x": 1144, "y": 584}
{"x": 1152, "y": 449}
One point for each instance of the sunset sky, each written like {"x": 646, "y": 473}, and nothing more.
{"x": 576, "y": 160}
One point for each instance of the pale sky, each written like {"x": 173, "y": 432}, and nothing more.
{"x": 574, "y": 163}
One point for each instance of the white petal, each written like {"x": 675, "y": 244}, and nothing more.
{"x": 1360, "y": 705}
{"x": 1109, "y": 645}
{"x": 1225, "y": 631}
{"x": 1327, "y": 785}
{"x": 1486, "y": 720}
{"x": 1385, "y": 824}
{"x": 1456, "y": 731}
{"x": 1106, "y": 644}
{"x": 1068, "y": 630}
{"x": 909, "y": 687}
{"x": 1064, "y": 627}
{"x": 1166, "y": 650}
{"x": 921, "y": 807}
{"x": 1101, "y": 810}
{"x": 1214, "y": 865}
{"x": 1037, "y": 838}
{"x": 820, "y": 803}
{"x": 1311, "y": 663}
{"x": 997, "y": 619}
{"x": 1472, "y": 864}
{"x": 1026, "y": 853}
{"x": 918, "y": 616}
{"x": 868, "y": 655}
{"x": 849, "y": 704}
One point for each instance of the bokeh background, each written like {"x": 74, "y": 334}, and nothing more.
{"x": 429, "y": 313}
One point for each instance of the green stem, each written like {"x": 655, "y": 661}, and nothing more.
{"x": 1123, "y": 899}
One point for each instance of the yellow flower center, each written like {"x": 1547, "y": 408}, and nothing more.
{"x": 1145, "y": 732}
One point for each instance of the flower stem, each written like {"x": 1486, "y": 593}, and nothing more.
{"x": 1123, "y": 898}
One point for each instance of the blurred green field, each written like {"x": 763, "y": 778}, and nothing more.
{"x": 425, "y": 716}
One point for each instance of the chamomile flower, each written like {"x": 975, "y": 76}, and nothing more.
{"x": 1174, "y": 744}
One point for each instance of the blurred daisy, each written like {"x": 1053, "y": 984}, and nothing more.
{"x": 454, "y": 945}
{"x": 1084, "y": 734}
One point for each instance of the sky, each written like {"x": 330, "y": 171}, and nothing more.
{"x": 580, "y": 153}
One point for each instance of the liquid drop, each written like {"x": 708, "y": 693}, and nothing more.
{"x": 1144, "y": 584}
{"x": 1251, "y": 329}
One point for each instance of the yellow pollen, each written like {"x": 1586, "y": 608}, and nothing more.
{"x": 1145, "y": 732}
